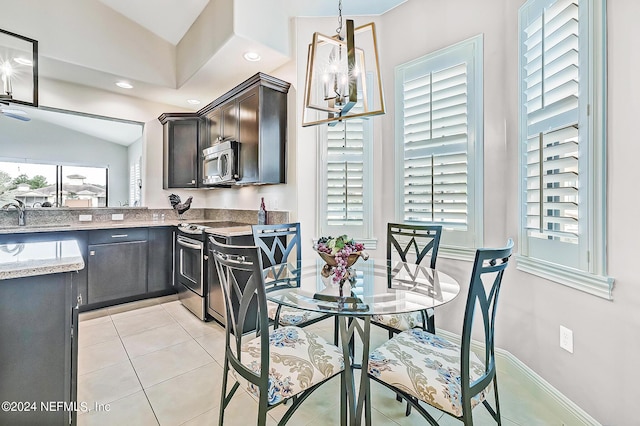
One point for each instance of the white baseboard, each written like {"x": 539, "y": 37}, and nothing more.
{"x": 506, "y": 361}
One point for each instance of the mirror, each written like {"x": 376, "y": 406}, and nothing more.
{"x": 57, "y": 158}
{"x": 18, "y": 69}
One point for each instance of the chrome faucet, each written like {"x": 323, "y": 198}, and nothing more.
{"x": 21, "y": 208}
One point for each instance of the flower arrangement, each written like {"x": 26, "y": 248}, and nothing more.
{"x": 340, "y": 253}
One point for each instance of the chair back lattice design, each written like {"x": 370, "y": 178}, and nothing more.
{"x": 240, "y": 272}
{"x": 281, "y": 252}
{"x": 411, "y": 243}
{"x": 484, "y": 289}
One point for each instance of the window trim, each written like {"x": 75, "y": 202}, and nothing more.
{"x": 475, "y": 147}
{"x": 594, "y": 281}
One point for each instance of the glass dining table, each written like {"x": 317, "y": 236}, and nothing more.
{"x": 376, "y": 287}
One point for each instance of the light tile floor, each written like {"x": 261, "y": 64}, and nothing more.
{"x": 154, "y": 363}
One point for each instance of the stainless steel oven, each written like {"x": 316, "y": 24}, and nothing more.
{"x": 190, "y": 274}
{"x": 220, "y": 163}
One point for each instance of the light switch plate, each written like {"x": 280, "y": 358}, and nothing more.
{"x": 85, "y": 218}
{"x": 117, "y": 216}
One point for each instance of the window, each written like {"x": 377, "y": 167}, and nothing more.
{"x": 439, "y": 144}
{"x": 54, "y": 185}
{"x": 562, "y": 142}
{"x": 346, "y": 152}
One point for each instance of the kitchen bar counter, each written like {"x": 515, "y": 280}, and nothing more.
{"x": 116, "y": 224}
{"x": 39, "y": 258}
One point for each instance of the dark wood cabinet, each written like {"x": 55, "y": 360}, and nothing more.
{"x": 181, "y": 150}
{"x": 213, "y": 125}
{"x": 117, "y": 266}
{"x": 39, "y": 349}
{"x": 160, "y": 259}
{"x": 230, "y": 120}
{"x": 254, "y": 114}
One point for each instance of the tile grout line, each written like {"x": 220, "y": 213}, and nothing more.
{"x": 136, "y": 373}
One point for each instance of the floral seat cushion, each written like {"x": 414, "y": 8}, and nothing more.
{"x": 426, "y": 366}
{"x": 399, "y": 321}
{"x": 298, "y": 359}
{"x": 291, "y": 316}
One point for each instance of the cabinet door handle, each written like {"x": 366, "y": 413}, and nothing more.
{"x": 193, "y": 181}
{"x": 119, "y": 235}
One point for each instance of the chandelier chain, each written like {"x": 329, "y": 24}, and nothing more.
{"x": 339, "y": 29}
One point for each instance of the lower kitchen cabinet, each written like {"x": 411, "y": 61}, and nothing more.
{"x": 117, "y": 265}
{"x": 38, "y": 350}
{"x": 160, "y": 259}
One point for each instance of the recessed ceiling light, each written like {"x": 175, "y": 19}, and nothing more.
{"x": 124, "y": 85}
{"x": 24, "y": 61}
{"x": 193, "y": 101}
{"x": 252, "y": 56}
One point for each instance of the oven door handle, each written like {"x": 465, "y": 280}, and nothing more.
{"x": 189, "y": 245}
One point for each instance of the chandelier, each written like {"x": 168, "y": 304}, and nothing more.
{"x": 343, "y": 75}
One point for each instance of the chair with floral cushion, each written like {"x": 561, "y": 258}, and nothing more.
{"x": 409, "y": 243}
{"x": 281, "y": 258}
{"x": 423, "y": 367}
{"x": 288, "y": 363}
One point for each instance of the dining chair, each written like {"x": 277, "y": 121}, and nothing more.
{"x": 423, "y": 367}
{"x": 409, "y": 243}
{"x": 282, "y": 262}
{"x": 286, "y": 364}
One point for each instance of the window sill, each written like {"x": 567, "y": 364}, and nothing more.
{"x": 597, "y": 285}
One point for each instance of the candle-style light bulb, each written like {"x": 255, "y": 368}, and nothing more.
{"x": 7, "y": 71}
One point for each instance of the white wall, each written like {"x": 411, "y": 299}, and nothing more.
{"x": 601, "y": 375}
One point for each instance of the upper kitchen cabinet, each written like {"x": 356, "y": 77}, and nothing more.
{"x": 181, "y": 150}
{"x": 221, "y": 123}
{"x": 254, "y": 114}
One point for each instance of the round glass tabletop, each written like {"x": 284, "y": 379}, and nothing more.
{"x": 374, "y": 289}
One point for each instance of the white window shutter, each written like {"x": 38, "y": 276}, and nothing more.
{"x": 551, "y": 88}
{"x": 563, "y": 143}
{"x": 435, "y": 128}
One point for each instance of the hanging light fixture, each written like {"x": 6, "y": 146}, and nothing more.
{"x": 18, "y": 69}
{"x": 343, "y": 75}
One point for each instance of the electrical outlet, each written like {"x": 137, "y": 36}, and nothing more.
{"x": 566, "y": 339}
{"x": 85, "y": 218}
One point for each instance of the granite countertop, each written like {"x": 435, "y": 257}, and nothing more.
{"x": 87, "y": 226}
{"x": 39, "y": 258}
{"x": 231, "y": 231}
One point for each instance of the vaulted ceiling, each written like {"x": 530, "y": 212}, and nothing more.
{"x": 169, "y": 50}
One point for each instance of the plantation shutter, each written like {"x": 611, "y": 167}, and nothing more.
{"x": 551, "y": 66}
{"x": 436, "y": 135}
{"x": 135, "y": 176}
{"x": 345, "y": 173}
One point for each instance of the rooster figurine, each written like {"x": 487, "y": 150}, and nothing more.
{"x": 178, "y": 205}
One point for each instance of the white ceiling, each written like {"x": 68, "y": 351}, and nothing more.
{"x": 98, "y": 42}
{"x": 169, "y": 19}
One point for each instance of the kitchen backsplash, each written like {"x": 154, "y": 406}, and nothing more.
{"x": 52, "y": 216}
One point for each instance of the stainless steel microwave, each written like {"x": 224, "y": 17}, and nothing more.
{"x": 220, "y": 163}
